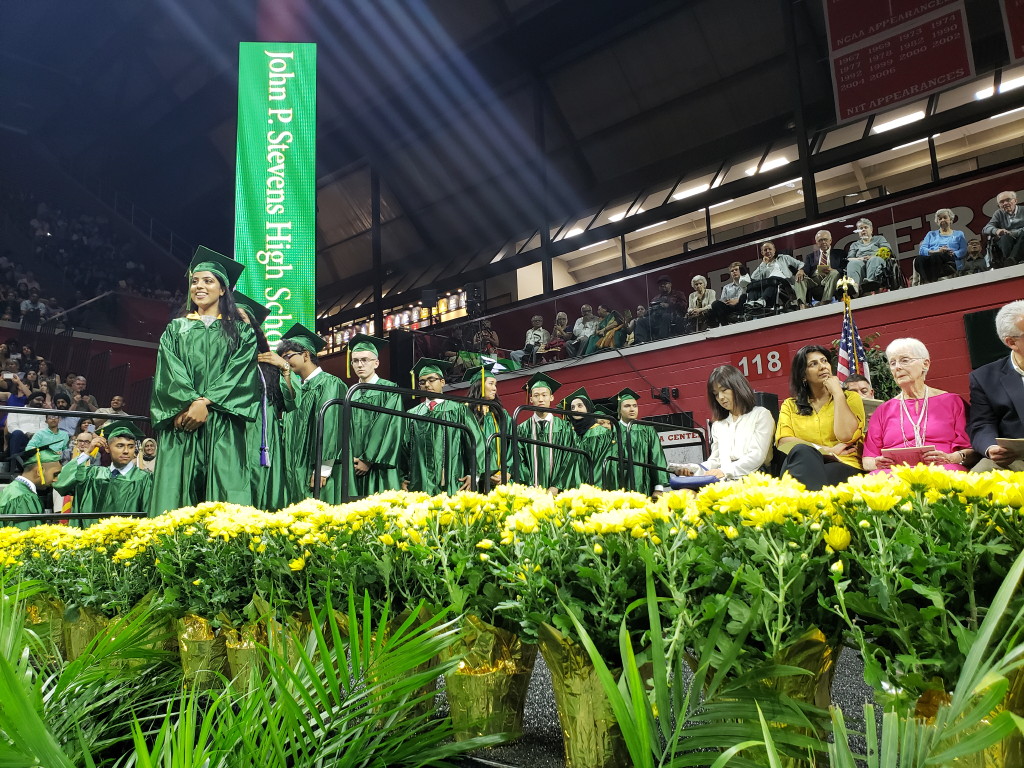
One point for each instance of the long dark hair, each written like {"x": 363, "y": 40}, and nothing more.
{"x": 798, "y": 386}
{"x": 227, "y": 309}
{"x": 730, "y": 377}
{"x": 271, "y": 373}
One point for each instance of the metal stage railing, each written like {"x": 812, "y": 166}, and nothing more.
{"x": 58, "y": 517}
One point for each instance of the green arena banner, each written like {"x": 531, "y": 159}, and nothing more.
{"x": 275, "y": 181}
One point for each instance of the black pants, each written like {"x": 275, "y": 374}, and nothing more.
{"x": 722, "y": 313}
{"x": 773, "y": 290}
{"x": 932, "y": 266}
{"x": 1012, "y": 250}
{"x": 806, "y": 464}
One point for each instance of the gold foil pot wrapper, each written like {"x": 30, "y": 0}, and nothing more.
{"x": 81, "y": 625}
{"x": 1007, "y": 753}
{"x": 203, "y": 651}
{"x": 244, "y": 650}
{"x": 813, "y": 652}
{"x": 590, "y": 732}
{"x": 44, "y": 615}
{"x": 285, "y": 638}
{"x": 487, "y": 692}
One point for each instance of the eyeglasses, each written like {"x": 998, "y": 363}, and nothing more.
{"x": 903, "y": 362}
{"x": 428, "y": 380}
{"x": 290, "y": 355}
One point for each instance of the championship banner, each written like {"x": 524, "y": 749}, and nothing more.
{"x": 1013, "y": 23}
{"x": 895, "y": 56}
{"x": 275, "y": 181}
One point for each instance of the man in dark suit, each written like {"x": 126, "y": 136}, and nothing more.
{"x": 823, "y": 267}
{"x": 997, "y": 396}
{"x": 1006, "y": 227}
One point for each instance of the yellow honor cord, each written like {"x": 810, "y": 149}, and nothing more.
{"x": 39, "y": 465}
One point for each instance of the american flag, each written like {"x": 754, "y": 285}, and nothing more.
{"x": 851, "y": 349}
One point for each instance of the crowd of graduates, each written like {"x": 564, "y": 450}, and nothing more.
{"x": 236, "y": 421}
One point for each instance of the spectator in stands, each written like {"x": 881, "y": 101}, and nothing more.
{"x": 821, "y": 427}
{"x": 33, "y": 311}
{"x": 664, "y": 316}
{"x": 859, "y": 384}
{"x": 29, "y": 361}
{"x": 147, "y": 459}
{"x": 80, "y": 399}
{"x": 536, "y": 338}
{"x": 1006, "y": 229}
{"x": 822, "y": 269}
{"x": 12, "y": 371}
{"x": 62, "y": 402}
{"x": 769, "y": 284}
{"x": 997, "y": 397}
{"x": 4, "y": 354}
{"x": 48, "y": 375}
{"x": 730, "y": 304}
{"x": 975, "y": 259}
{"x": 742, "y": 433}
{"x": 942, "y": 251}
{"x": 920, "y": 417}
{"x": 698, "y": 305}
{"x": 81, "y": 444}
{"x": 85, "y": 424}
{"x": 610, "y": 333}
{"x": 486, "y": 339}
{"x": 582, "y": 330}
{"x": 116, "y": 409}
{"x": 641, "y": 310}
{"x": 561, "y": 334}
{"x": 863, "y": 265}
{"x": 21, "y": 426}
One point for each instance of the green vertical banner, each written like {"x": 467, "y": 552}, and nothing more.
{"x": 275, "y": 181}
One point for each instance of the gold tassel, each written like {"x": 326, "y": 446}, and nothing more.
{"x": 348, "y": 361}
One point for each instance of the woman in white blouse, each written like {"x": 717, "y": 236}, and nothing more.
{"x": 742, "y": 433}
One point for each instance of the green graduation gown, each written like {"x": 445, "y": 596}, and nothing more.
{"x": 543, "y": 466}
{"x": 599, "y": 443}
{"x": 434, "y": 456}
{"x": 96, "y": 492}
{"x": 271, "y": 482}
{"x": 497, "y": 452}
{"x": 18, "y": 499}
{"x": 376, "y": 438}
{"x": 193, "y": 360}
{"x": 641, "y": 443}
{"x": 300, "y": 437}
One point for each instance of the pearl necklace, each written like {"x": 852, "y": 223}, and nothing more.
{"x": 920, "y": 426}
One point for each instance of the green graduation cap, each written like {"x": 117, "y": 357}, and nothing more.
{"x": 626, "y": 394}
{"x": 121, "y": 428}
{"x": 606, "y": 408}
{"x": 541, "y": 380}
{"x": 257, "y": 312}
{"x": 224, "y": 267}
{"x": 361, "y": 342}
{"x": 305, "y": 338}
{"x": 579, "y": 394}
{"x": 45, "y": 446}
{"x": 426, "y": 366}
{"x": 478, "y": 375}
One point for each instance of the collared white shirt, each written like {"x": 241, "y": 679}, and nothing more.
{"x": 26, "y": 481}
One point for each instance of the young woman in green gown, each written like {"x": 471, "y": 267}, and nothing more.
{"x": 204, "y": 393}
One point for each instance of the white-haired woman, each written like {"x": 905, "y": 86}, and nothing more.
{"x": 942, "y": 251}
{"x": 920, "y": 417}
{"x": 699, "y": 304}
{"x": 862, "y": 260}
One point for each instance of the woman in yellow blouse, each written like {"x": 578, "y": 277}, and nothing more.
{"x": 821, "y": 427}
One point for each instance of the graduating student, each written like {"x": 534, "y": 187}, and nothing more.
{"x": 491, "y": 419}
{"x": 640, "y": 443}
{"x": 375, "y": 438}
{"x": 435, "y": 458}
{"x": 204, "y": 393}
{"x": 594, "y": 437}
{"x": 267, "y": 450}
{"x": 42, "y": 464}
{"x": 299, "y": 347}
{"x": 121, "y": 487}
{"x": 546, "y": 466}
